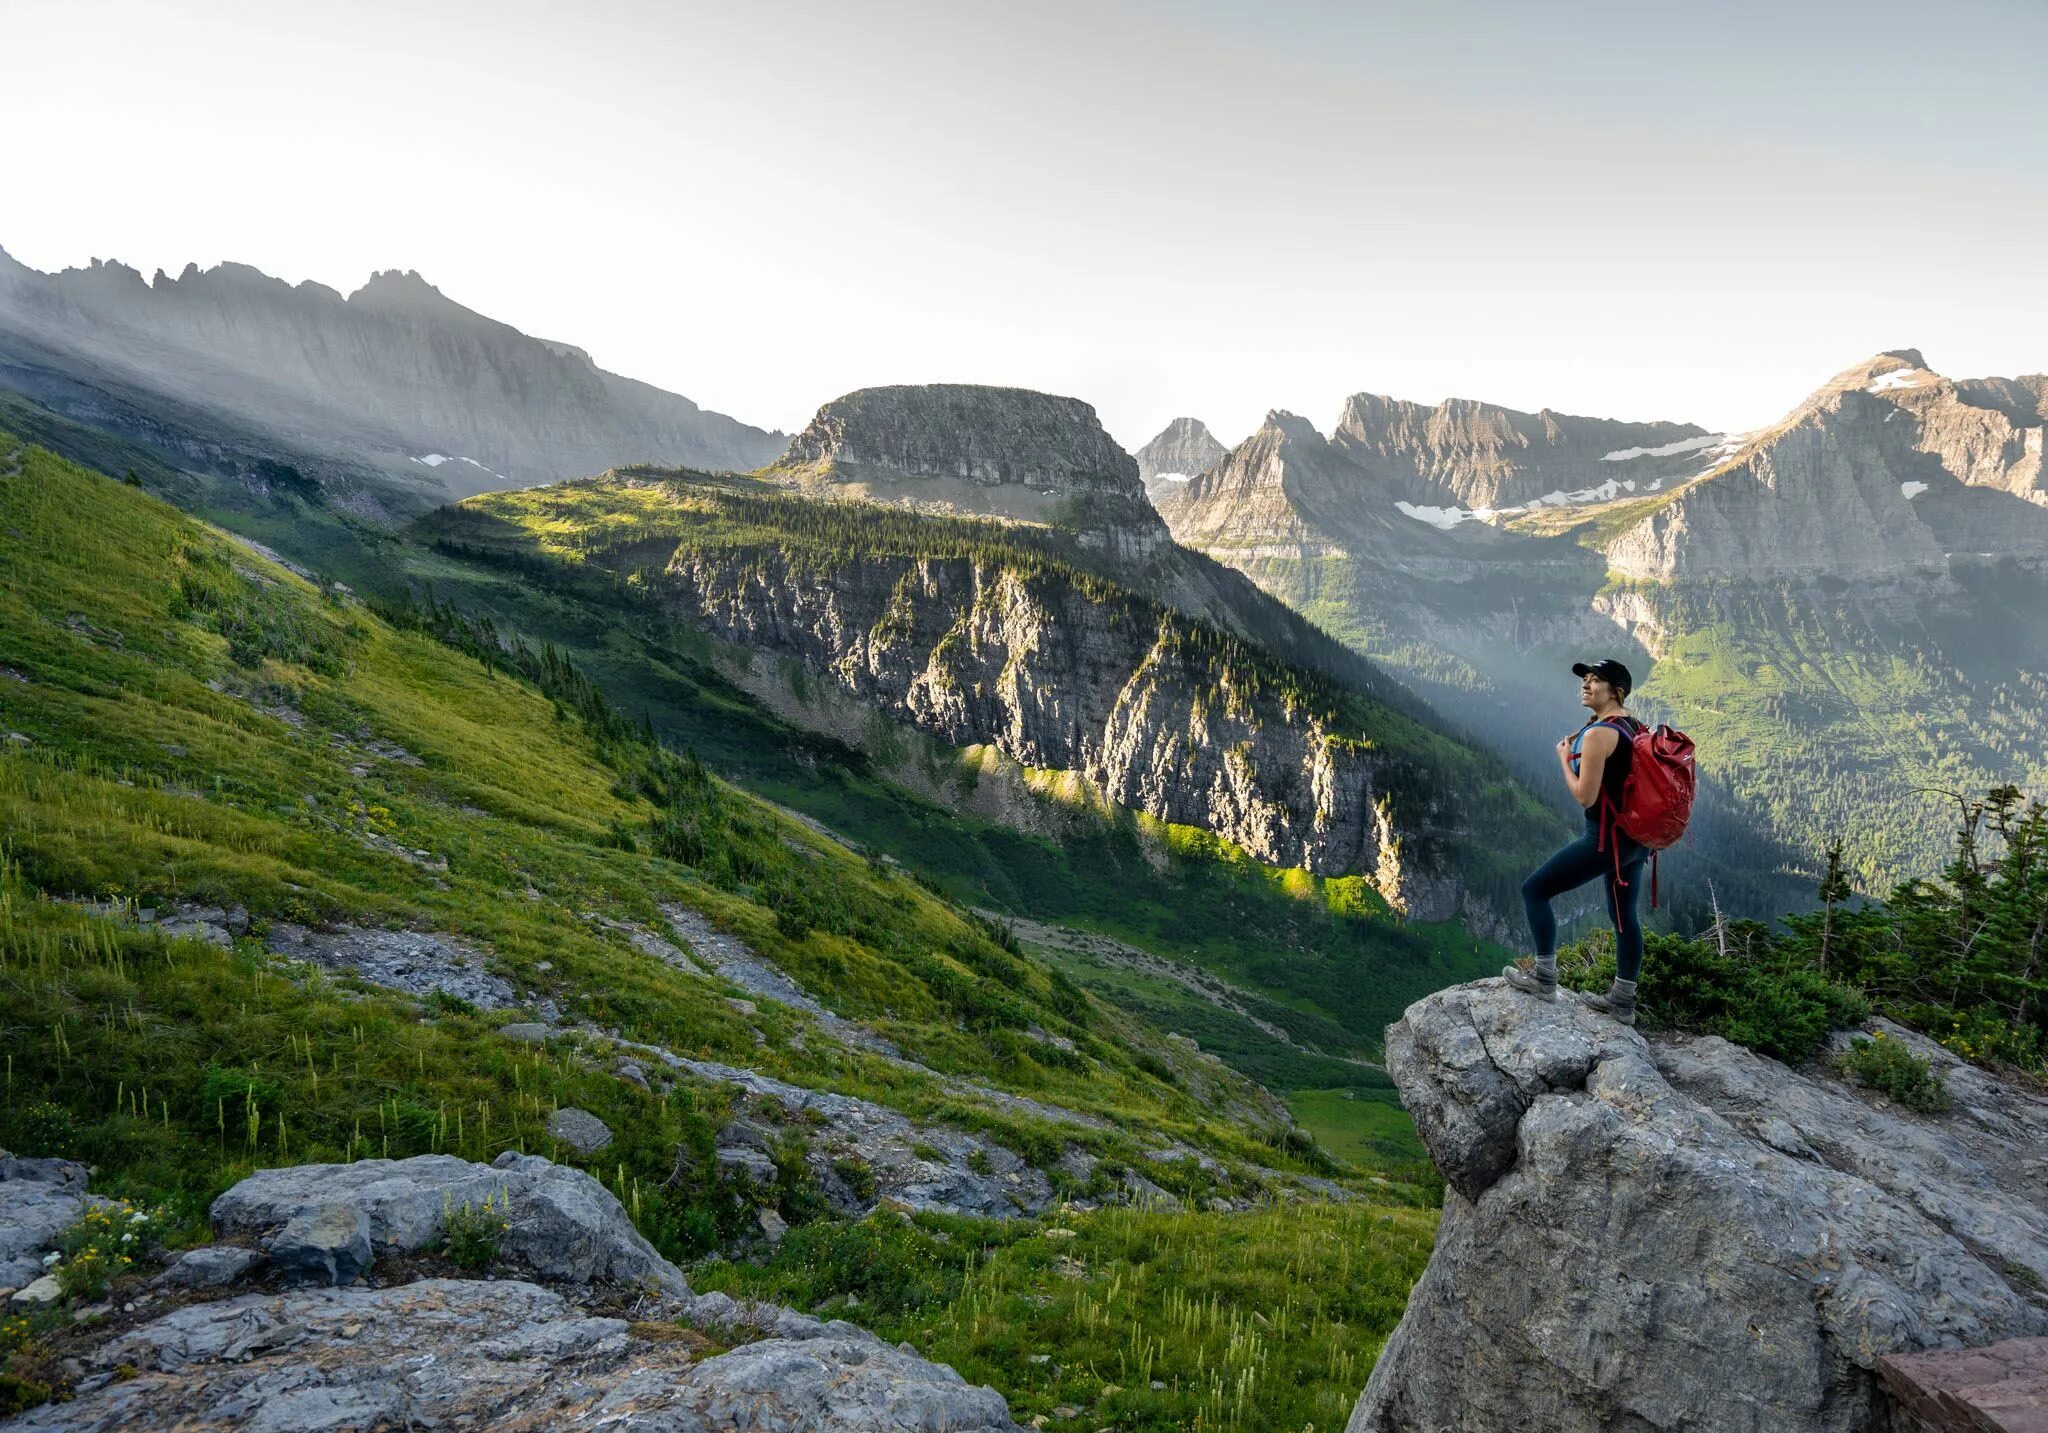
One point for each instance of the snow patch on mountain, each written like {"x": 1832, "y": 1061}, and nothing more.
{"x": 1683, "y": 445}
{"x": 434, "y": 460}
{"x": 1912, "y": 490}
{"x": 1901, "y": 378}
{"x": 1437, "y": 517}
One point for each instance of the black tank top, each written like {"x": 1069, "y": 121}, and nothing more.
{"x": 1615, "y": 772}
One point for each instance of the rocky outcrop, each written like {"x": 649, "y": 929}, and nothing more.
{"x": 995, "y": 437}
{"x": 562, "y": 1224}
{"x": 1183, "y": 450}
{"x": 396, "y": 371}
{"x": 524, "y": 1352}
{"x": 1158, "y": 715}
{"x": 2000, "y": 1386}
{"x": 1678, "y": 1233}
{"x": 966, "y": 448}
{"x": 417, "y": 962}
{"x": 458, "y": 1353}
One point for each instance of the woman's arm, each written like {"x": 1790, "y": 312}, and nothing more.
{"x": 1594, "y": 748}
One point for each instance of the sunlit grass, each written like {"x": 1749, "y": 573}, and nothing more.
{"x": 1259, "y": 1321}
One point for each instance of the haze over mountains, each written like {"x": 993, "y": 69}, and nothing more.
{"x": 1841, "y": 606}
{"x": 396, "y": 377}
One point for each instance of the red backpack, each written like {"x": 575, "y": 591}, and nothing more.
{"x": 1656, "y": 796}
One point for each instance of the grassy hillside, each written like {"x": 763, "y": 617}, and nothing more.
{"x": 183, "y": 721}
{"x": 1830, "y": 717}
{"x": 188, "y": 722}
{"x": 1323, "y": 950}
{"x": 1333, "y": 968}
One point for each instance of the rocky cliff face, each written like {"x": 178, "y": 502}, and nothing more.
{"x": 1288, "y": 492}
{"x": 975, "y": 450}
{"x": 1160, "y": 716}
{"x": 1267, "y": 491}
{"x": 1464, "y": 453}
{"x": 1183, "y": 451}
{"x": 1676, "y": 1232}
{"x": 1888, "y": 471}
{"x": 395, "y": 371}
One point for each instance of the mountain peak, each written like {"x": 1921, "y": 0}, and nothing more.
{"x": 404, "y": 291}
{"x": 967, "y": 448}
{"x": 1292, "y": 426}
{"x": 398, "y": 281}
{"x": 1183, "y": 451}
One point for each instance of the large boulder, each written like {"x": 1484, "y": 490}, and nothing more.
{"x": 456, "y": 1353}
{"x": 326, "y": 1244}
{"x": 563, "y": 1225}
{"x": 1681, "y": 1233}
{"x": 39, "y": 1200}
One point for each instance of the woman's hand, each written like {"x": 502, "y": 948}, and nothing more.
{"x": 1564, "y": 750}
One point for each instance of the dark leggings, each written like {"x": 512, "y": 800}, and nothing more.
{"x": 1571, "y": 868}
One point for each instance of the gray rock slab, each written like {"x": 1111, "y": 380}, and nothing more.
{"x": 747, "y": 1166}
{"x": 505, "y": 1355}
{"x": 212, "y": 1267}
{"x": 1627, "y": 1242}
{"x": 417, "y": 962}
{"x": 738, "y": 962}
{"x": 323, "y": 1244}
{"x": 39, "y": 1200}
{"x": 581, "y": 1130}
{"x": 565, "y": 1225}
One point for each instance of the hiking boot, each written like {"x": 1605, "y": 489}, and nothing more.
{"x": 1619, "y": 1002}
{"x": 1530, "y": 982}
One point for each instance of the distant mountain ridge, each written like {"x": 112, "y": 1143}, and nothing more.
{"x": 1467, "y": 453}
{"x": 1843, "y": 488}
{"x": 1843, "y": 608}
{"x": 395, "y": 376}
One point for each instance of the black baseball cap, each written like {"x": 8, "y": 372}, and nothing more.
{"x": 1609, "y": 671}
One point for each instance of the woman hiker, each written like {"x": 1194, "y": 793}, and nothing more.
{"x": 1594, "y": 759}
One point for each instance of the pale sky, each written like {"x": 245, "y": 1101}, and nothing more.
{"x": 1631, "y": 208}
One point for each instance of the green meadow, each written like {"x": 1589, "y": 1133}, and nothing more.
{"x": 182, "y": 720}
